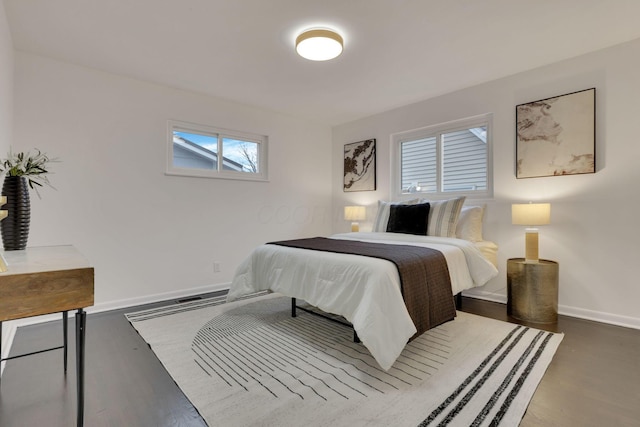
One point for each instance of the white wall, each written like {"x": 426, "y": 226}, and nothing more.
{"x": 6, "y": 113}
{"x": 149, "y": 235}
{"x": 6, "y": 82}
{"x": 593, "y": 234}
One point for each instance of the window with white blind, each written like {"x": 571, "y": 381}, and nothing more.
{"x": 445, "y": 159}
{"x": 203, "y": 151}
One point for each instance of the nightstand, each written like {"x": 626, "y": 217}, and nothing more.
{"x": 532, "y": 290}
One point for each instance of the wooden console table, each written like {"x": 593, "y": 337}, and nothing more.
{"x": 45, "y": 280}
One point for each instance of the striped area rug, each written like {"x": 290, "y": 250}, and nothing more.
{"x": 249, "y": 363}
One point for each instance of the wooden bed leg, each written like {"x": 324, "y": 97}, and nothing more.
{"x": 293, "y": 307}
{"x": 458, "y": 299}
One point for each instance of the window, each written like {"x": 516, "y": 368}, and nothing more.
{"x": 453, "y": 157}
{"x": 202, "y": 151}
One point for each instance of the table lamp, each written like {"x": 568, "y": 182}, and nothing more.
{"x": 355, "y": 214}
{"x": 531, "y": 214}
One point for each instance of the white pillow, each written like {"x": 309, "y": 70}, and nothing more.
{"x": 470, "y": 223}
{"x": 382, "y": 216}
{"x": 443, "y": 217}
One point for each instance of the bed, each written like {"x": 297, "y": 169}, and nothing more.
{"x": 368, "y": 291}
{"x": 372, "y": 302}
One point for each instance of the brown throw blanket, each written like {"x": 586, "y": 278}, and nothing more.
{"x": 424, "y": 275}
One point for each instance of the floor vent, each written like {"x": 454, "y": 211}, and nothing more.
{"x": 188, "y": 299}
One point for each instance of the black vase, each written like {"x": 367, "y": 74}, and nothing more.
{"x": 15, "y": 227}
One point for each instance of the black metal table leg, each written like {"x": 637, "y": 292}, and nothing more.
{"x": 81, "y": 321}
{"x": 293, "y": 307}
{"x": 65, "y": 322}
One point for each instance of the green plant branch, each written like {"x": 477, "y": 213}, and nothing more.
{"x": 31, "y": 166}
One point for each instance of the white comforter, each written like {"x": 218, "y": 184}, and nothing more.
{"x": 366, "y": 291}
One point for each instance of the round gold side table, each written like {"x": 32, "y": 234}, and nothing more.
{"x": 532, "y": 290}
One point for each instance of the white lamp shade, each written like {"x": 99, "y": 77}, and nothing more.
{"x": 319, "y": 44}
{"x": 355, "y": 213}
{"x": 531, "y": 214}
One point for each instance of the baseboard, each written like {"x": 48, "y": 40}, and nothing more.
{"x": 486, "y": 296}
{"x": 566, "y": 310}
{"x": 602, "y": 317}
{"x": 9, "y": 332}
{"x": 148, "y": 299}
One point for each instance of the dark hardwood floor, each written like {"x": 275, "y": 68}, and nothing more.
{"x": 594, "y": 379}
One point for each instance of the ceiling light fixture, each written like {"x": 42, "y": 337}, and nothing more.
{"x": 319, "y": 44}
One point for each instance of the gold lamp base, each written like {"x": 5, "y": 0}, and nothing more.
{"x": 531, "y": 245}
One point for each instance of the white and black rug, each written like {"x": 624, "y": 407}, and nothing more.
{"x": 249, "y": 363}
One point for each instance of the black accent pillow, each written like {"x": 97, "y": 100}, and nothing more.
{"x": 408, "y": 219}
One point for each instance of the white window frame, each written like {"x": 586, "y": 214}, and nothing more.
{"x": 436, "y": 131}
{"x": 220, "y": 134}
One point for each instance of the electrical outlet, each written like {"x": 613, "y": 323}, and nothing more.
{"x": 216, "y": 267}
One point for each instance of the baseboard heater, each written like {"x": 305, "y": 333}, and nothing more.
{"x": 188, "y": 299}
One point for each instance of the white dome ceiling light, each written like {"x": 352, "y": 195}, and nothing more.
{"x": 319, "y": 44}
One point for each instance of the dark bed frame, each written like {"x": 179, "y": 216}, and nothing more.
{"x": 294, "y": 307}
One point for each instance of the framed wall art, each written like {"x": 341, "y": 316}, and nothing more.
{"x": 556, "y": 136}
{"x": 360, "y": 166}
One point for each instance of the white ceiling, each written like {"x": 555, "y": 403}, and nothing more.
{"x": 396, "y": 51}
